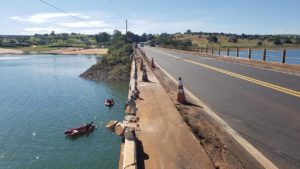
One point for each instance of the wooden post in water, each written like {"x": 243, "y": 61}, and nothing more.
{"x": 283, "y": 55}
{"x": 249, "y": 53}
{"x": 227, "y": 51}
{"x": 264, "y": 54}
{"x": 237, "y": 52}
{"x": 219, "y": 51}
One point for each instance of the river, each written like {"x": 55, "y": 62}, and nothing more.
{"x": 40, "y": 97}
{"x": 292, "y": 55}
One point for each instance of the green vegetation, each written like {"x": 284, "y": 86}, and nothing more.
{"x": 223, "y": 40}
{"x": 40, "y": 48}
{"x": 115, "y": 65}
{"x": 118, "y": 54}
{"x": 53, "y": 40}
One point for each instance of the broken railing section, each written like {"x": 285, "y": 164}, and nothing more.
{"x": 127, "y": 129}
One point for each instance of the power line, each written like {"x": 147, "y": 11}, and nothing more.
{"x": 61, "y": 10}
{"x": 109, "y": 4}
{"x": 114, "y": 9}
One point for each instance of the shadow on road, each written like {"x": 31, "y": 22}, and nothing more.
{"x": 141, "y": 155}
{"x": 189, "y": 104}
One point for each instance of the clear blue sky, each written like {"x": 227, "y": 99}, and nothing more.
{"x": 151, "y": 16}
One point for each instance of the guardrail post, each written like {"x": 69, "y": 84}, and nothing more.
{"x": 205, "y": 49}
{"x": 219, "y": 51}
{"x": 283, "y": 55}
{"x": 212, "y": 51}
{"x": 264, "y": 54}
{"x": 197, "y": 49}
{"x": 237, "y": 52}
{"x": 249, "y": 53}
{"x": 227, "y": 51}
{"x": 201, "y": 50}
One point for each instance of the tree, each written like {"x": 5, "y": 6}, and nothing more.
{"x": 117, "y": 34}
{"x": 102, "y": 37}
{"x": 33, "y": 40}
{"x": 131, "y": 37}
{"x": 296, "y": 40}
{"x": 233, "y": 39}
{"x": 188, "y": 31}
{"x": 143, "y": 38}
{"x": 259, "y": 43}
{"x": 277, "y": 41}
{"x": 212, "y": 39}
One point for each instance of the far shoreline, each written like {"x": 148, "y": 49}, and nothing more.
{"x": 60, "y": 51}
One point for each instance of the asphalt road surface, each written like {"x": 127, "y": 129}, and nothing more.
{"x": 262, "y": 105}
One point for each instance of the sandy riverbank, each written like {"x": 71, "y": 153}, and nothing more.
{"x": 63, "y": 51}
{"x": 10, "y": 51}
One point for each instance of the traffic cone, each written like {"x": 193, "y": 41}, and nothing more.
{"x": 145, "y": 77}
{"x": 180, "y": 92}
{"x": 152, "y": 64}
{"x": 141, "y": 65}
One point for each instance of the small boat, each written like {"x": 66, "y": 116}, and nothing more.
{"x": 109, "y": 102}
{"x": 80, "y": 130}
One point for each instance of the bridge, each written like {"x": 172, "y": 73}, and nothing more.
{"x": 262, "y": 105}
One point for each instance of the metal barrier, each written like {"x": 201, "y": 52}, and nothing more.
{"x": 266, "y": 55}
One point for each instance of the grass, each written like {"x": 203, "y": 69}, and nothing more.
{"x": 202, "y": 41}
{"x": 39, "y": 48}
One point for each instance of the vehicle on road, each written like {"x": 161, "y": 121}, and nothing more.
{"x": 141, "y": 44}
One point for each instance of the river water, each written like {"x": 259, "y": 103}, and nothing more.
{"x": 292, "y": 55}
{"x": 40, "y": 97}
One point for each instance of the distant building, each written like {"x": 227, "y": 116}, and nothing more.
{"x": 296, "y": 40}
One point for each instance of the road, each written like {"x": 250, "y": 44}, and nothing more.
{"x": 262, "y": 105}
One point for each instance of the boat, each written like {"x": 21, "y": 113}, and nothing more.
{"x": 109, "y": 102}
{"x": 80, "y": 130}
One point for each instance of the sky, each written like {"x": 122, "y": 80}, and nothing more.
{"x": 27, "y": 17}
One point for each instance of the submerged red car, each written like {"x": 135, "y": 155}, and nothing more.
{"x": 80, "y": 130}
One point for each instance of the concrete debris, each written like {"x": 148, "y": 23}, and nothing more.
{"x": 131, "y": 118}
{"x": 111, "y": 125}
{"x": 119, "y": 129}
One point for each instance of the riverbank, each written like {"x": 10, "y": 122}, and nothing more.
{"x": 114, "y": 66}
{"x": 56, "y": 51}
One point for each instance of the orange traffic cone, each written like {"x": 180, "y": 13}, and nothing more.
{"x": 141, "y": 65}
{"x": 152, "y": 64}
{"x": 180, "y": 92}
{"x": 145, "y": 77}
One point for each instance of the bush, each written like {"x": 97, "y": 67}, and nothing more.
{"x": 233, "y": 40}
{"x": 213, "y": 39}
{"x": 277, "y": 41}
{"x": 259, "y": 43}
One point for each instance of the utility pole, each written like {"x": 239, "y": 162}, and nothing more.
{"x": 126, "y": 27}
{"x": 126, "y": 31}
